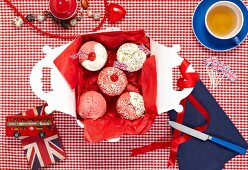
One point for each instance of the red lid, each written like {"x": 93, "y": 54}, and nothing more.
{"x": 63, "y": 9}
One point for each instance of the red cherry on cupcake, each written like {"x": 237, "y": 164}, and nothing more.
{"x": 114, "y": 77}
{"x": 92, "y": 56}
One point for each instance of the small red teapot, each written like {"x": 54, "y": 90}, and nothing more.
{"x": 63, "y": 9}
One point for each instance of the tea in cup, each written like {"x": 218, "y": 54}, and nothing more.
{"x": 224, "y": 20}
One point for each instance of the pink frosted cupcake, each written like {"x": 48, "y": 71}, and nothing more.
{"x": 112, "y": 81}
{"x": 130, "y": 105}
{"x": 92, "y": 105}
{"x": 93, "y": 55}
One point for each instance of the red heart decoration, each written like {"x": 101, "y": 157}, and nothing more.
{"x": 115, "y": 13}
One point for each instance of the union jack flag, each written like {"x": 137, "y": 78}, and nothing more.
{"x": 79, "y": 55}
{"x": 120, "y": 65}
{"x": 144, "y": 49}
{"x": 218, "y": 66}
{"x": 229, "y": 74}
{"x": 209, "y": 61}
{"x": 42, "y": 151}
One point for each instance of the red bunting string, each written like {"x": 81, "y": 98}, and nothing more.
{"x": 188, "y": 81}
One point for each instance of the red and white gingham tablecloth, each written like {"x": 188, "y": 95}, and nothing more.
{"x": 168, "y": 22}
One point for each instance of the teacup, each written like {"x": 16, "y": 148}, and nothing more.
{"x": 224, "y": 20}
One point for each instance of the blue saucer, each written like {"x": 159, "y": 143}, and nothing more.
{"x": 205, "y": 38}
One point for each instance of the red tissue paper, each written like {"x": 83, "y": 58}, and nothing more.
{"x": 111, "y": 125}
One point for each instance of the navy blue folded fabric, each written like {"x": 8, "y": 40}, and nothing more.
{"x": 199, "y": 155}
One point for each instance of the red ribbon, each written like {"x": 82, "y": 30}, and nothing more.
{"x": 188, "y": 81}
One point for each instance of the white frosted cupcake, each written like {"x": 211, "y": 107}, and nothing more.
{"x": 130, "y": 105}
{"x": 132, "y": 56}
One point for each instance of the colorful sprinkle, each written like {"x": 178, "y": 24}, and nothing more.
{"x": 131, "y": 55}
{"x": 112, "y": 81}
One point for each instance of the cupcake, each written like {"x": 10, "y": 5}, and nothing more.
{"x": 93, "y": 56}
{"x": 130, "y": 55}
{"x": 130, "y": 105}
{"x": 92, "y": 105}
{"x": 112, "y": 81}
